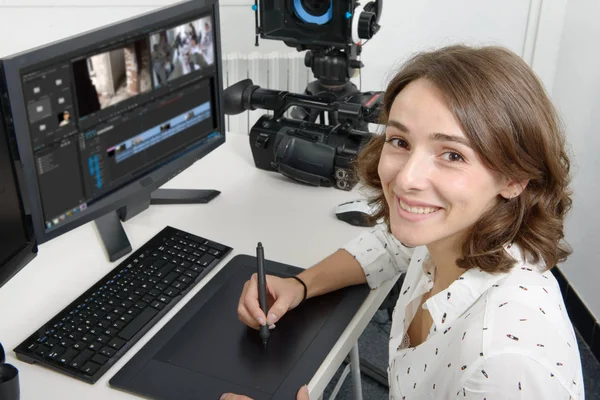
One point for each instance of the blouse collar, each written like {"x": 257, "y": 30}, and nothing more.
{"x": 448, "y": 305}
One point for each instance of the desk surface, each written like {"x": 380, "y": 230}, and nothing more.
{"x": 295, "y": 223}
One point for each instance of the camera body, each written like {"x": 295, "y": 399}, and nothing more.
{"x": 306, "y": 151}
{"x": 315, "y": 154}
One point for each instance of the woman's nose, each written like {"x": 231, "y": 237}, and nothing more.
{"x": 415, "y": 173}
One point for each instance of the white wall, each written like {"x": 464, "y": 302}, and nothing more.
{"x": 577, "y": 96}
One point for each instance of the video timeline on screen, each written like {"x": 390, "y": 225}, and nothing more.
{"x": 157, "y": 134}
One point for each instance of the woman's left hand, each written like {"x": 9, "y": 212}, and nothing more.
{"x": 302, "y": 395}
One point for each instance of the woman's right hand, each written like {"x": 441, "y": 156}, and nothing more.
{"x": 283, "y": 294}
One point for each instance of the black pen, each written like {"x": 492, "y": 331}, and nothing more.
{"x": 262, "y": 291}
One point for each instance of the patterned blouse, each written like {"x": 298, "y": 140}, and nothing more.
{"x": 494, "y": 336}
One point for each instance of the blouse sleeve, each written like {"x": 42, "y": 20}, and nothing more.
{"x": 380, "y": 254}
{"x": 513, "y": 376}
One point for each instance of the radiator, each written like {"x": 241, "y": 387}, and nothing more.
{"x": 275, "y": 70}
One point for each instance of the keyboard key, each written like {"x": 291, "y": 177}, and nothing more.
{"x": 196, "y": 268}
{"x": 133, "y": 311}
{"x": 119, "y": 325}
{"x": 138, "y": 323}
{"x": 94, "y": 346}
{"x": 171, "y": 292}
{"x": 80, "y": 359}
{"x": 107, "y": 351}
{"x": 165, "y": 270}
{"x": 56, "y": 352}
{"x": 205, "y": 260}
{"x": 90, "y": 368}
{"x": 80, "y": 345}
{"x": 68, "y": 355}
{"x": 170, "y": 278}
{"x": 126, "y": 318}
{"x": 116, "y": 343}
{"x": 147, "y": 298}
{"x": 179, "y": 285}
{"x": 103, "y": 339}
{"x": 66, "y": 342}
{"x": 99, "y": 359}
{"x": 214, "y": 245}
{"x": 191, "y": 274}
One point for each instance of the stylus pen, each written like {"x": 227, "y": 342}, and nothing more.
{"x": 262, "y": 291}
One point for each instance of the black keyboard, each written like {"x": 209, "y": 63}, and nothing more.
{"x": 87, "y": 337}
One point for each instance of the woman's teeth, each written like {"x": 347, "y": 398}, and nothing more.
{"x": 418, "y": 210}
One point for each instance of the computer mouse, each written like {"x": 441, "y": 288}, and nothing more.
{"x": 355, "y": 212}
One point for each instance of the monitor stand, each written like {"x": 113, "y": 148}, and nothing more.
{"x": 111, "y": 229}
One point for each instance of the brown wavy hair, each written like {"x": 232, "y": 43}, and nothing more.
{"x": 514, "y": 128}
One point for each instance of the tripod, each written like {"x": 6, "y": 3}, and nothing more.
{"x": 333, "y": 69}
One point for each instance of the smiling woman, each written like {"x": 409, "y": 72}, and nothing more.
{"x": 471, "y": 182}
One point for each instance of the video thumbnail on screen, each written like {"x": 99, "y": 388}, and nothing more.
{"x": 181, "y": 50}
{"x": 108, "y": 78}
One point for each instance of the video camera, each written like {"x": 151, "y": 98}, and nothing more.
{"x": 333, "y": 32}
{"x": 316, "y": 154}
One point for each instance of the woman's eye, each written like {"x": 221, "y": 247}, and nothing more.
{"x": 453, "y": 156}
{"x": 397, "y": 142}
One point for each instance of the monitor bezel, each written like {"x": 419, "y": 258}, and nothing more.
{"x": 144, "y": 185}
{"x": 28, "y": 249}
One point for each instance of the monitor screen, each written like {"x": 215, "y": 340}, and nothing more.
{"x": 112, "y": 114}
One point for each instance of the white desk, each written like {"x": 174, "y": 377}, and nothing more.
{"x": 295, "y": 223}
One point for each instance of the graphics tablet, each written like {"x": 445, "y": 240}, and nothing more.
{"x": 205, "y": 351}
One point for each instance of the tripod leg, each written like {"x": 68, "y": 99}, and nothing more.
{"x": 357, "y": 383}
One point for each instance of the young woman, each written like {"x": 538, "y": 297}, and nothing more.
{"x": 471, "y": 179}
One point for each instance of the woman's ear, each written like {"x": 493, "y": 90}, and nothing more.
{"x": 513, "y": 188}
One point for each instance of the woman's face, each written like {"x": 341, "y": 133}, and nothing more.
{"x": 434, "y": 183}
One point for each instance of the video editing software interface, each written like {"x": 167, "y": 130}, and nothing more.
{"x": 100, "y": 120}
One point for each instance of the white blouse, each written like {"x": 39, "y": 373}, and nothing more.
{"x": 494, "y": 336}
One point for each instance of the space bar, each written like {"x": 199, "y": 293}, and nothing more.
{"x": 138, "y": 323}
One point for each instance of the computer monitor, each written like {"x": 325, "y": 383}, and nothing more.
{"x": 103, "y": 119}
{"x": 17, "y": 243}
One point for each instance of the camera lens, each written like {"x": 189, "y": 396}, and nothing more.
{"x": 316, "y": 7}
